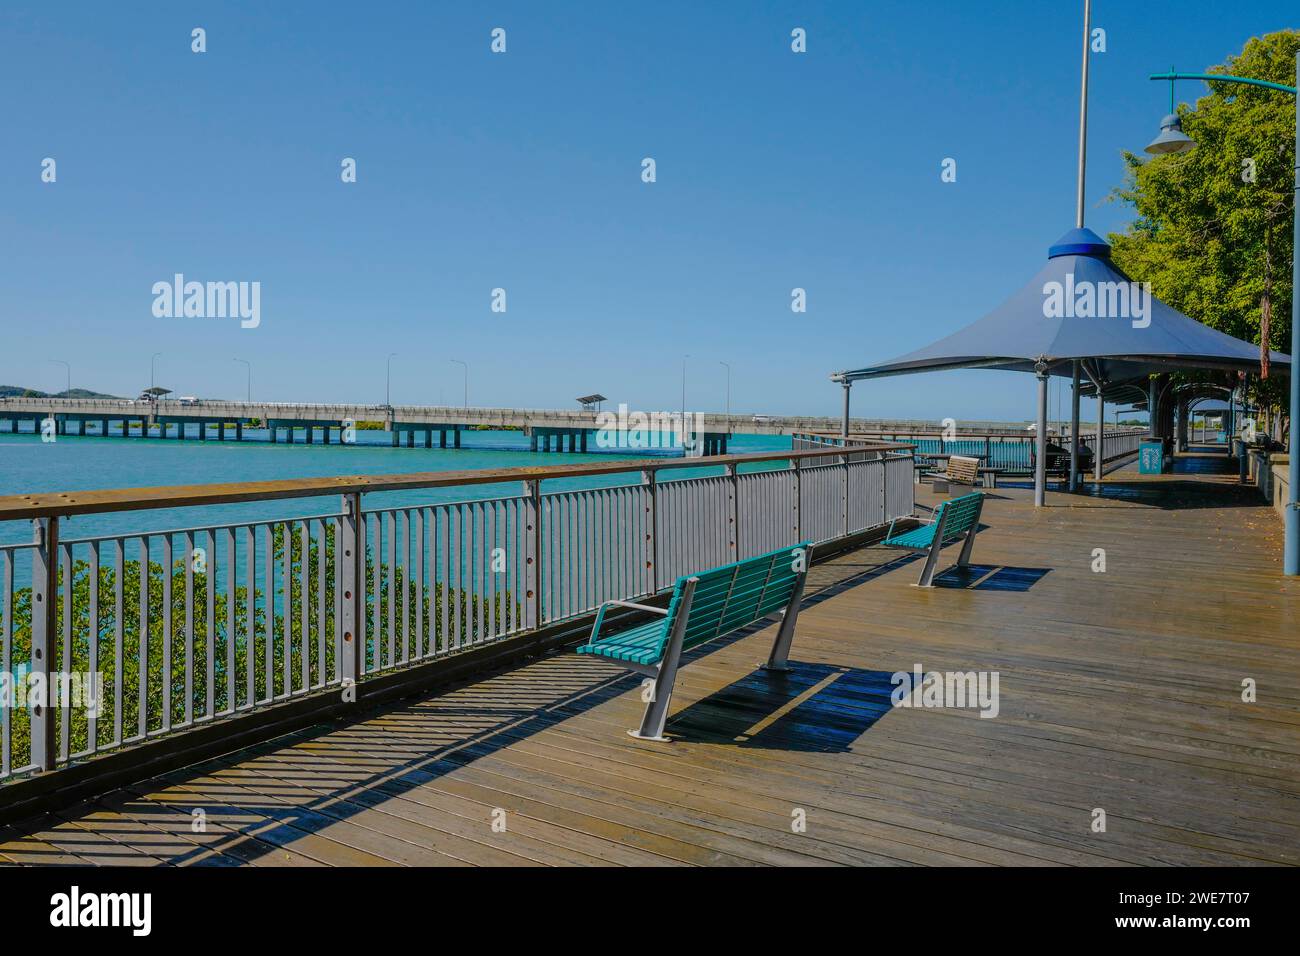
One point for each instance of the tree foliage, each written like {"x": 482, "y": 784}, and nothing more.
{"x": 167, "y": 662}
{"x": 1213, "y": 232}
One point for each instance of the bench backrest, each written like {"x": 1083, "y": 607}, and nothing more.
{"x": 961, "y": 516}
{"x": 963, "y": 469}
{"x": 734, "y": 595}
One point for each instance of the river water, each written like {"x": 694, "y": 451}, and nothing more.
{"x": 28, "y": 465}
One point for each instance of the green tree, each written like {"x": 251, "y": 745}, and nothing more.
{"x": 165, "y": 656}
{"x": 1213, "y": 228}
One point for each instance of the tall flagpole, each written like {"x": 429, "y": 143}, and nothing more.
{"x": 1083, "y": 113}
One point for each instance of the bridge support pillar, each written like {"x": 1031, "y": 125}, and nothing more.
{"x": 428, "y": 438}
{"x": 311, "y": 434}
{"x": 396, "y": 438}
{"x": 275, "y": 437}
{"x": 457, "y": 437}
{"x": 288, "y": 434}
{"x": 410, "y": 438}
{"x": 325, "y": 434}
{"x": 203, "y": 431}
{"x": 584, "y": 442}
{"x": 442, "y": 438}
{"x": 532, "y": 442}
{"x": 239, "y": 431}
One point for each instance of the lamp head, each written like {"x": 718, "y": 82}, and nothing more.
{"x": 1172, "y": 139}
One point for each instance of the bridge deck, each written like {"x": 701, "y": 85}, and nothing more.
{"x": 1119, "y": 691}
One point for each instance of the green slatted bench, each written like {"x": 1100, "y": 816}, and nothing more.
{"x": 954, "y": 520}
{"x": 704, "y": 606}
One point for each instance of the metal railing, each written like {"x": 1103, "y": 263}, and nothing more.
{"x": 193, "y": 625}
{"x": 1011, "y": 453}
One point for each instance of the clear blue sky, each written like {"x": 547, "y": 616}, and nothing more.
{"x": 522, "y": 171}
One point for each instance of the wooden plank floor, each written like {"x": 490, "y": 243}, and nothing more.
{"x": 1119, "y": 691}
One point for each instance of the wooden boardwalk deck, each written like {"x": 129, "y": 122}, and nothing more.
{"x": 1118, "y": 690}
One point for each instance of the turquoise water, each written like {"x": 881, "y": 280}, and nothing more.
{"x": 76, "y": 464}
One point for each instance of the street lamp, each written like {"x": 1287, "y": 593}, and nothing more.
{"x": 728, "y": 368}
{"x": 388, "y": 380}
{"x": 69, "y": 368}
{"x": 1173, "y": 140}
{"x": 465, "y": 366}
{"x": 250, "y": 377}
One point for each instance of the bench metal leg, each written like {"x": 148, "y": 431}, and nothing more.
{"x": 656, "y": 711}
{"x": 778, "y": 660}
{"x": 931, "y": 559}
{"x": 966, "y": 548}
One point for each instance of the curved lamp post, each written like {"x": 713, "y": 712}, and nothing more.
{"x": 1172, "y": 139}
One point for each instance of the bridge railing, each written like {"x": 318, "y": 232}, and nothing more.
{"x": 152, "y": 633}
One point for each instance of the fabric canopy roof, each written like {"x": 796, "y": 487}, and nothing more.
{"x": 1080, "y": 305}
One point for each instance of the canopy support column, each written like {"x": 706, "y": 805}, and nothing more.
{"x": 844, "y": 426}
{"x": 1040, "y": 439}
{"x": 1074, "y": 427}
{"x": 1153, "y": 395}
{"x": 1099, "y": 452}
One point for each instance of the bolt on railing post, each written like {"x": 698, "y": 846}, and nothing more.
{"x": 45, "y": 535}
{"x": 351, "y": 555}
{"x": 533, "y": 555}
{"x": 651, "y": 528}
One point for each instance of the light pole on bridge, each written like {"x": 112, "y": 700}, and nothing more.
{"x": 250, "y": 378}
{"x": 728, "y": 368}
{"x": 69, "y": 368}
{"x": 388, "y": 380}
{"x": 465, "y": 366}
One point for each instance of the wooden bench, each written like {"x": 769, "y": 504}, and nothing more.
{"x": 960, "y": 470}
{"x": 704, "y": 606}
{"x": 954, "y": 520}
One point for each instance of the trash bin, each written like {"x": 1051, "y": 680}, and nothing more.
{"x": 1151, "y": 457}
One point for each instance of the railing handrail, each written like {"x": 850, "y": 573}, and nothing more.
{"x": 61, "y": 504}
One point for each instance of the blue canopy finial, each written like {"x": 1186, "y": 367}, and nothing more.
{"x": 1080, "y": 242}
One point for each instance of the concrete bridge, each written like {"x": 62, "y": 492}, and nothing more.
{"x": 413, "y": 425}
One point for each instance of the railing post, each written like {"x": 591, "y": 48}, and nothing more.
{"x": 883, "y": 458}
{"x": 532, "y": 555}
{"x": 651, "y": 528}
{"x": 45, "y": 535}
{"x": 844, "y": 500}
{"x": 351, "y": 554}
{"x": 733, "y": 511}
{"x": 798, "y": 494}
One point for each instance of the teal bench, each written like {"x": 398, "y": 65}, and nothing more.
{"x": 954, "y": 520}
{"x": 704, "y": 606}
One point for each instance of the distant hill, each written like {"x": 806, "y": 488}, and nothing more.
{"x": 16, "y": 391}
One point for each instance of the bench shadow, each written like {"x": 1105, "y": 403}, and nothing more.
{"x": 817, "y": 708}
{"x": 989, "y": 577}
